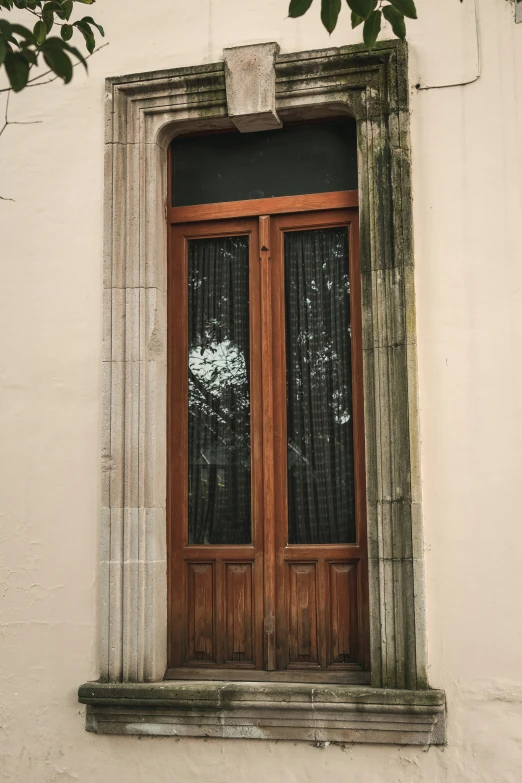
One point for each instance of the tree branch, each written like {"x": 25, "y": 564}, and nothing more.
{"x": 7, "y": 122}
{"x": 34, "y": 82}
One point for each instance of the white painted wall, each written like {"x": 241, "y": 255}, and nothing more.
{"x": 467, "y": 155}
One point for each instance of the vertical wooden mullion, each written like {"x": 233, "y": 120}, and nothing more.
{"x": 256, "y": 429}
{"x": 280, "y": 444}
{"x": 323, "y": 611}
{"x": 268, "y": 442}
{"x": 177, "y": 442}
{"x": 219, "y": 611}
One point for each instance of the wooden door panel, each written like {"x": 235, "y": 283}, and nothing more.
{"x": 302, "y": 614}
{"x": 239, "y": 613}
{"x": 201, "y": 645}
{"x": 343, "y": 621}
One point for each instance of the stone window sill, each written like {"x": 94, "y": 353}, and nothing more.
{"x": 273, "y": 711}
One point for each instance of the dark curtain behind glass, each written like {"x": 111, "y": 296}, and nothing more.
{"x": 219, "y": 392}
{"x": 321, "y": 501}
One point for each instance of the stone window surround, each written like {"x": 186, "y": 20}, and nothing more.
{"x": 144, "y": 113}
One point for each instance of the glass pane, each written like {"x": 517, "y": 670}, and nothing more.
{"x": 219, "y": 392}
{"x": 313, "y": 158}
{"x": 321, "y": 499}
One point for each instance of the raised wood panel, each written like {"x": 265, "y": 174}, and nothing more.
{"x": 200, "y": 612}
{"x": 239, "y": 613}
{"x": 302, "y": 613}
{"x": 344, "y": 642}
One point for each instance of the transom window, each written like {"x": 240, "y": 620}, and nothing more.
{"x": 266, "y": 500}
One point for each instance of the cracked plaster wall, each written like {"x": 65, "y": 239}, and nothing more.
{"x": 467, "y": 175}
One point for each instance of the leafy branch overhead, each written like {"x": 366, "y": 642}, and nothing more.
{"x": 369, "y": 13}
{"x": 22, "y": 48}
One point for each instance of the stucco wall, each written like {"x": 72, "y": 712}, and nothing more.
{"x": 467, "y": 174}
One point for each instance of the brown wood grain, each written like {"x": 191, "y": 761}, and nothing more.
{"x": 199, "y": 619}
{"x": 302, "y": 610}
{"x": 302, "y": 613}
{"x": 264, "y": 206}
{"x": 239, "y": 613}
{"x": 348, "y": 675}
{"x": 322, "y": 556}
{"x": 201, "y": 643}
{"x": 268, "y": 442}
{"x": 343, "y": 619}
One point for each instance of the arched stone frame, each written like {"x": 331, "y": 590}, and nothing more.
{"x": 144, "y": 112}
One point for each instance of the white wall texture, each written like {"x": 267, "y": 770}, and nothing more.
{"x": 467, "y": 172}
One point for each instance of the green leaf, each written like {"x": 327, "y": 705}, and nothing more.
{"x": 30, "y": 56}
{"x": 19, "y": 29}
{"x": 86, "y": 2}
{"x": 86, "y": 31}
{"x": 59, "y": 9}
{"x": 60, "y": 63}
{"x": 67, "y": 32}
{"x": 48, "y": 18}
{"x": 362, "y": 8}
{"x": 90, "y": 20}
{"x": 53, "y": 43}
{"x": 329, "y": 13}
{"x": 356, "y": 20}
{"x": 396, "y": 19}
{"x": 40, "y": 32}
{"x": 5, "y": 28}
{"x": 405, "y": 7}
{"x": 20, "y": 4}
{"x": 67, "y": 8}
{"x": 371, "y": 29}
{"x": 3, "y": 50}
{"x": 299, "y": 7}
{"x": 17, "y": 69}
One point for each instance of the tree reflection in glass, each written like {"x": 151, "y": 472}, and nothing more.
{"x": 219, "y": 392}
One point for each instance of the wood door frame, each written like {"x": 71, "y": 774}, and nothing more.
{"x": 307, "y": 202}
{"x": 179, "y": 551}
{"x": 239, "y": 218}
{"x": 356, "y": 553}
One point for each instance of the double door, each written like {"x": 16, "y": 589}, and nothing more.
{"x": 267, "y": 544}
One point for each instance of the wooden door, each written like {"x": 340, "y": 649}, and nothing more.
{"x": 290, "y": 592}
{"x": 216, "y": 539}
{"x": 320, "y": 572}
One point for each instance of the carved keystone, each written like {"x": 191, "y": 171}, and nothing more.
{"x": 250, "y": 83}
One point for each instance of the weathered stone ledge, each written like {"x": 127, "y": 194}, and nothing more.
{"x": 260, "y": 710}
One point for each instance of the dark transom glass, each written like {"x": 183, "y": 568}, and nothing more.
{"x": 291, "y": 161}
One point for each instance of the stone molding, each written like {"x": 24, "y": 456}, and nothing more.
{"x": 144, "y": 113}
{"x": 266, "y": 711}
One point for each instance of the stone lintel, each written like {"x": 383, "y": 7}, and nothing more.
{"x": 250, "y": 85}
{"x": 261, "y": 710}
